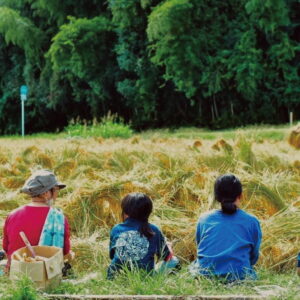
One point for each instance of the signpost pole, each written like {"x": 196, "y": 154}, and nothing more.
{"x": 23, "y": 118}
{"x": 23, "y": 94}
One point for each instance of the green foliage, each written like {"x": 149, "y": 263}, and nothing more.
{"x": 24, "y": 290}
{"x": 19, "y": 30}
{"x": 154, "y": 62}
{"x": 107, "y": 128}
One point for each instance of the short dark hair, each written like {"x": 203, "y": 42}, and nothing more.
{"x": 227, "y": 188}
{"x": 138, "y": 206}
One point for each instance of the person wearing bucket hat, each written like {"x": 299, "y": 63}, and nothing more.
{"x": 41, "y": 182}
{"x": 41, "y": 223}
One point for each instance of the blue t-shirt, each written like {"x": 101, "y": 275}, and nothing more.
{"x": 298, "y": 261}
{"x": 228, "y": 245}
{"x": 129, "y": 247}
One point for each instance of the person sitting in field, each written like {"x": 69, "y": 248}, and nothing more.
{"x": 135, "y": 242}
{"x": 228, "y": 240}
{"x": 41, "y": 223}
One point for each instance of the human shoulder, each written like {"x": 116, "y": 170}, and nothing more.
{"x": 118, "y": 228}
{"x": 17, "y": 210}
{"x": 249, "y": 217}
{"x": 154, "y": 227}
{"x": 211, "y": 214}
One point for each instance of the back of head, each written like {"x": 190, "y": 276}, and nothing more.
{"x": 138, "y": 206}
{"x": 227, "y": 189}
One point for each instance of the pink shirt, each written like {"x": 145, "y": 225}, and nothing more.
{"x": 30, "y": 220}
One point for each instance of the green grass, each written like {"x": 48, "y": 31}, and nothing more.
{"x": 277, "y": 286}
{"x": 109, "y": 128}
{"x": 256, "y": 132}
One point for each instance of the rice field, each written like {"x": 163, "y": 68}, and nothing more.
{"x": 177, "y": 172}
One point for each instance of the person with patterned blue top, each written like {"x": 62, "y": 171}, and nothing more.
{"x": 228, "y": 240}
{"x": 135, "y": 242}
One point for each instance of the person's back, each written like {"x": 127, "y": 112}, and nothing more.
{"x": 30, "y": 220}
{"x": 228, "y": 240}
{"x": 228, "y": 244}
{"x": 42, "y": 224}
{"x": 135, "y": 242}
{"x": 129, "y": 247}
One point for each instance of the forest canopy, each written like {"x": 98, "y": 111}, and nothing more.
{"x": 154, "y": 63}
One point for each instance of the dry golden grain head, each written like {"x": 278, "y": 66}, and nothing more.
{"x": 225, "y": 146}
{"x": 13, "y": 182}
{"x": 65, "y": 168}
{"x": 215, "y": 147}
{"x": 199, "y": 180}
{"x": 3, "y": 158}
{"x": 100, "y": 140}
{"x": 135, "y": 140}
{"x": 44, "y": 160}
{"x": 9, "y": 204}
{"x": 296, "y": 164}
{"x": 89, "y": 254}
{"x": 197, "y": 144}
{"x": 294, "y": 138}
{"x": 29, "y": 152}
{"x": 163, "y": 159}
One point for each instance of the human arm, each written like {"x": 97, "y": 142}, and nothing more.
{"x": 257, "y": 235}
{"x": 198, "y": 233}
{"x": 112, "y": 243}
{"x": 164, "y": 251}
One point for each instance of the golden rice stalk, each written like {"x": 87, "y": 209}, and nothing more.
{"x": 296, "y": 164}
{"x": 90, "y": 254}
{"x": 197, "y": 144}
{"x": 86, "y": 172}
{"x": 13, "y": 182}
{"x": 222, "y": 144}
{"x": 3, "y": 157}
{"x": 121, "y": 161}
{"x": 65, "y": 168}
{"x": 29, "y": 153}
{"x": 9, "y": 204}
{"x": 281, "y": 239}
{"x": 135, "y": 140}
{"x": 245, "y": 154}
{"x": 44, "y": 160}
{"x": 93, "y": 206}
{"x": 164, "y": 160}
{"x": 294, "y": 138}
{"x": 256, "y": 188}
{"x": 100, "y": 140}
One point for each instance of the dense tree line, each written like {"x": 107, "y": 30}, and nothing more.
{"x": 153, "y": 62}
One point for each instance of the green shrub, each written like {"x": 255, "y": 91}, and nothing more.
{"x": 108, "y": 127}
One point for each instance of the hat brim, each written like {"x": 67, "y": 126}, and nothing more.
{"x": 61, "y": 185}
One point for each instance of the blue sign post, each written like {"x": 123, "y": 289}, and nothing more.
{"x": 23, "y": 94}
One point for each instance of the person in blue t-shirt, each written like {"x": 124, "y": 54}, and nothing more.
{"x": 228, "y": 240}
{"x": 135, "y": 242}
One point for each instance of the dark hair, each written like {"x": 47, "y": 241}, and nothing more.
{"x": 227, "y": 188}
{"x": 138, "y": 206}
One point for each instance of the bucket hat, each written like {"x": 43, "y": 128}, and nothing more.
{"x": 39, "y": 182}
